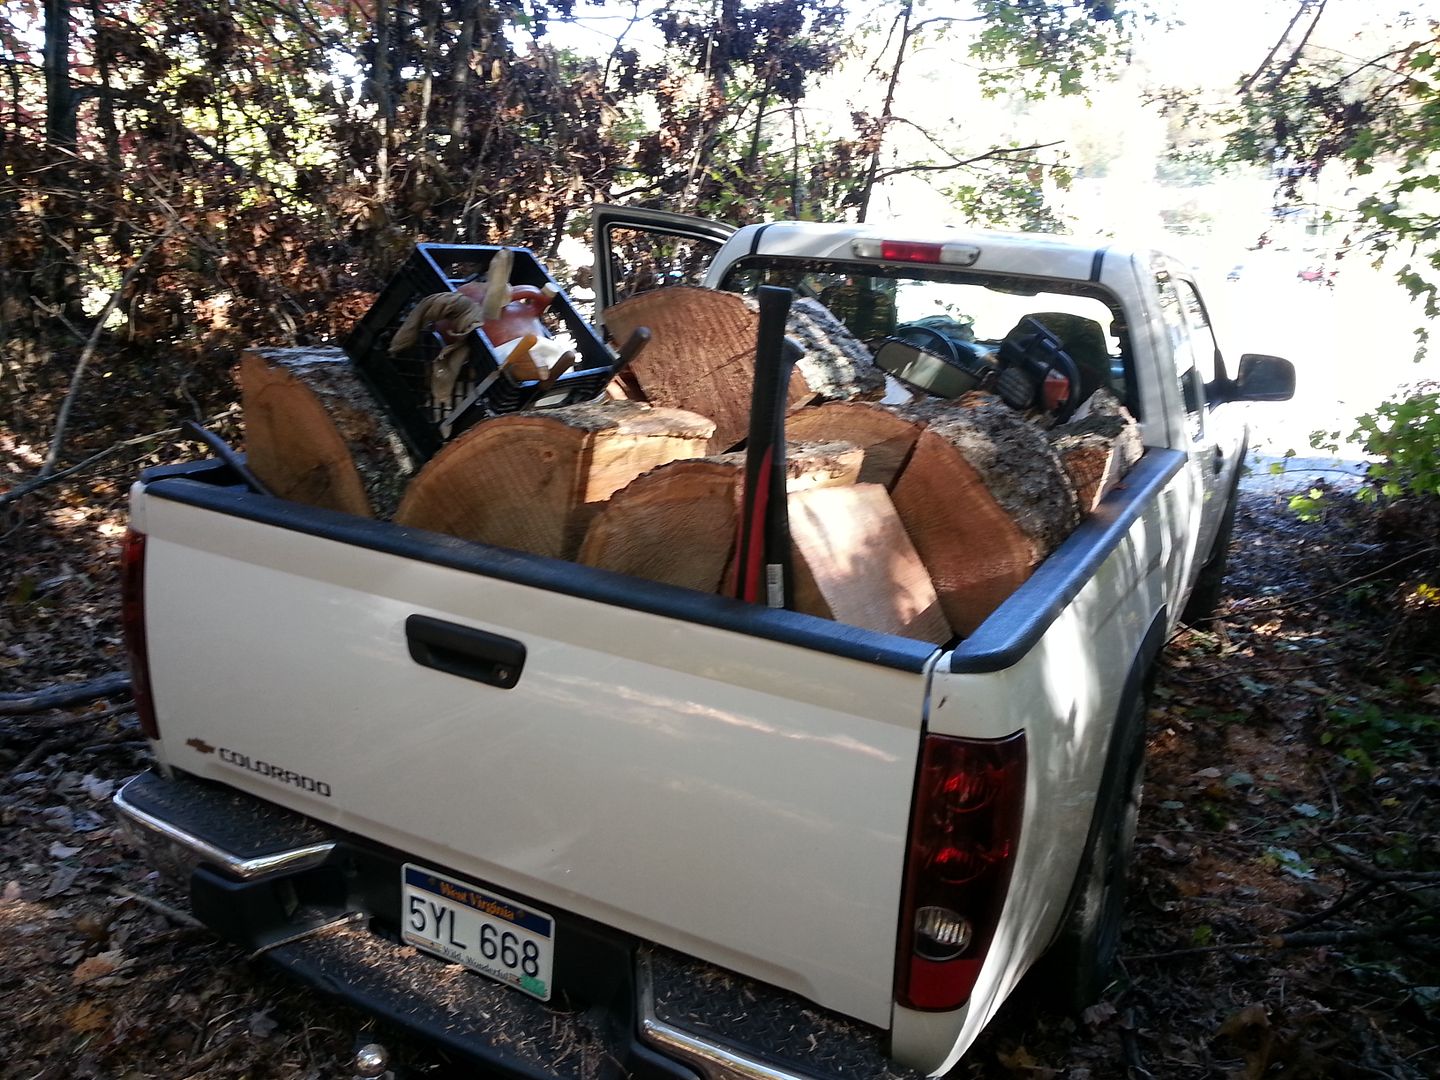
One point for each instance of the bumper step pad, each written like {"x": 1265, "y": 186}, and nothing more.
{"x": 692, "y": 1002}
{"x": 466, "y": 1014}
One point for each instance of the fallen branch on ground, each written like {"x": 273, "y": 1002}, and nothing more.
{"x": 175, "y": 915}
{"x": 15, "y": 494}
{"x": 1399, "y": 930}
{"x": 56, "y": 697}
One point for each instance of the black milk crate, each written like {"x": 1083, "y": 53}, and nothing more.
{"x": 402, "y": 382}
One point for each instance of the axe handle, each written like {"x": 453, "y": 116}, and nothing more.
{"x": 762, "y": 549}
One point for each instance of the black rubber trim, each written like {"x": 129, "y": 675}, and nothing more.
{"x": 552, "y": 575}
{"x": 1097, "y": 263}
{"x": 755, "y": 240}
{"x": 1018, "y": 624}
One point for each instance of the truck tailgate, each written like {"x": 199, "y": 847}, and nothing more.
{"x": 744, "y": 799}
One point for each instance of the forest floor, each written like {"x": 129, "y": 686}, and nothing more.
{"x": 1284, "y": 918}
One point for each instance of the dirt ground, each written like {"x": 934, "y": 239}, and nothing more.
{"x": 1283, "y": 920}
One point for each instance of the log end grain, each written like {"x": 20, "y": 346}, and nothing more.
{"x": 855, "y": 564}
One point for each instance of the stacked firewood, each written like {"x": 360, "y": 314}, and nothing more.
{"x": 918, "y": 519}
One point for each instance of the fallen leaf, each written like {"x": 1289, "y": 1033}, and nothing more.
{"x": 262, "y": 1024}
{"x": 62, "y": 851}
{"x": 88, "y": 1018}
{"x": 1100, "y": 1013}
{"x": 97, "y": 967}
{"x": 63, "y": 879}
{"x": 13, "y": 893}
{"x": 98, "y": 789}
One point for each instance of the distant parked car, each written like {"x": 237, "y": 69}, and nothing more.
{"x": 1317, "y": 273}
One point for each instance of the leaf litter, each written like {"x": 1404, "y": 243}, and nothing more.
{"x": 1282, "y": 917}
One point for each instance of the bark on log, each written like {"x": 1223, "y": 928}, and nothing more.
{"x": 702, "y": 355}
{"x": 855, "y": 564}
{"x": 676, "y": 524}
{"x": 532, "y": 480}
{"x": 315, "y": 434}
{"x": 1097, "y": 449}
{"x": 886, "y": 438}
{"x": 837, "y": 366}
{"x": 984, "y": 499}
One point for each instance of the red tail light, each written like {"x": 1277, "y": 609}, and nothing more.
{"x": 905, "y": 251}
{"x": 132, "y": 620}
{"x": 963, "y": 838}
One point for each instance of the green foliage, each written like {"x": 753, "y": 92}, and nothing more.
{"x": 1061, "y": 46}
{"x": 1403, "y": 434}
{"x": 1370, "y": 736}
{"x": 1010, "y": 196}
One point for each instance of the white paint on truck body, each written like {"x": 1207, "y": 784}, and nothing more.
{"x": 741, "y": 800}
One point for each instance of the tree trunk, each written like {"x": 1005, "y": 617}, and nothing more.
{"x": 109, "y": 128}
{"x": 59, "y": 278}
{"x": 532, "y": 481}
{"x": 384, "y": 107}
{"x": 459, "y": 82}
{"x": 907, "y": 12}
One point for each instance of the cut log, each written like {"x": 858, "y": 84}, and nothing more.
{"x": 315, "y": 434}
{"x": 702, "y": 355}
{"x": 984, "y": 499}
{"x": 532, "y": 481}
{"x": 676, "y": 524}
{"x": 1097, "y": 449}
{"x": 855, "y": 564}
{"x": 885, "y": 437}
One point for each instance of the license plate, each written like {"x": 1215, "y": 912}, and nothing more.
{"x": 483, "y": 930}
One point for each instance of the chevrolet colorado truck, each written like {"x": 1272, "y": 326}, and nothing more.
{"x": 569, "y": 823}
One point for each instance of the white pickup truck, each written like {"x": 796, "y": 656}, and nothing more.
{"x": 570, "y": 823}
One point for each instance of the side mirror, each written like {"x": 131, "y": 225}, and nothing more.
{"x": 1262, "y": 378}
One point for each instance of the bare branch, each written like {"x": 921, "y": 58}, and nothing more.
{"x": 63, "y": 419}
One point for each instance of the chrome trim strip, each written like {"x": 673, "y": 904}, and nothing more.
{"x": 715, "y": 1062}
{"x": 295, "y": 859}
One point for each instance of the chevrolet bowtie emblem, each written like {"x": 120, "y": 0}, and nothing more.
{"x": 201, "y": 745}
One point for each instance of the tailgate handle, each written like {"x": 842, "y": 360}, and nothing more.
{"x": 464, "y": 651}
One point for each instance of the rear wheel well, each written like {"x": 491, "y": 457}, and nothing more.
{"x": 1075, "y": 970}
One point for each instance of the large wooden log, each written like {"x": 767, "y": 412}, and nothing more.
{"x": 676, "y": 524}
{"x": 314, "y": 433}
{"x": 984, "y": 499}
{"x": 885, "y": 437}
{"x": 702, "y": 355}
{"x": 855, "y": 564}
{"x": 1098, "y": 449}
{"x": 532, "y": 480}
